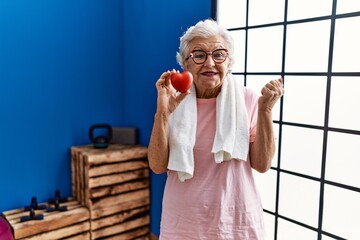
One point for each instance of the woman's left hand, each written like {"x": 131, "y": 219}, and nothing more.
{"x": 262, "y": 150}
{"x": 270, "y": 94}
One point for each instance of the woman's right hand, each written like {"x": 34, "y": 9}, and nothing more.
{"x": 168, "y": 99}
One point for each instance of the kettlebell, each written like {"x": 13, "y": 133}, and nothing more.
{"x": 101, "y": 141}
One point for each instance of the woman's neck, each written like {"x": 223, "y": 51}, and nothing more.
{"x": 209, "y": 93}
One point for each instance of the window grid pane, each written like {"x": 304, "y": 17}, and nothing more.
{"x": 342, "y": 212}
{"x": 259, "y": 11}
{"x": 317, "y": 55}
{"x": 288, "y": 230}
{"x": 299, "y": 199}
{"x": 265, "y": 49}
{"x": 346, "y": 45}
{"x": 307, "y": 9}
{"x": 301, "y": 150}
{"x": 305, "y": 100}
{"x": 345, "y": 97}
{"x": 343, "y": 154}
{"x": 239, "y": 48}
{"x": 311, "y": 53}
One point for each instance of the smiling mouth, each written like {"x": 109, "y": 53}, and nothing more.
{"x": 209, "y": 74}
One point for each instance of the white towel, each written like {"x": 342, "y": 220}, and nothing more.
{"x": 232, "y": 129}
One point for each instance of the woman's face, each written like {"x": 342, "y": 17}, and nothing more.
{"x": 208, "y": 76}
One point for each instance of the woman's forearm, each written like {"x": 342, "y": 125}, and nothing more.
{"x": 158, "y": 149}
{"x": 262, "y": 150}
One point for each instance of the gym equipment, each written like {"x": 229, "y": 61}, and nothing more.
{"x": 100, "y": 141}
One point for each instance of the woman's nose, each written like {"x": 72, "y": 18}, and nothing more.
{"x": 209, "y": 60}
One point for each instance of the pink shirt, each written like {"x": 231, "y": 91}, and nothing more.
{"x": 221, "y": 200}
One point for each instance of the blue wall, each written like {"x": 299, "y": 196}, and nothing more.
{"x": 152, "y": 33}
{"x": 65, "y": 65}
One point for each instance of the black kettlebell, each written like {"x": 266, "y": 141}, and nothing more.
{"x": 101, "y": 141}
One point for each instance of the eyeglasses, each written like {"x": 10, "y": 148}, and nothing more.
{"x": 200, "y": 56}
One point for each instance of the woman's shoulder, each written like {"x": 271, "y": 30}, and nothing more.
{"x": 249, "y": 94}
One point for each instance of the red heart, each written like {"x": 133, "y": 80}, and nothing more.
{"x": 181, "y": 81}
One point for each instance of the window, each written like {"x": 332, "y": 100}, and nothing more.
{"x": 312, "y": 190}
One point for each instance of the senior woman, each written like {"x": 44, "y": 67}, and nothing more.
{"x": 208, "y": 140}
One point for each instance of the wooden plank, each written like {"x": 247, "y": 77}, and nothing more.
{"x": 120, "y": 154}
{"x": 118, "y": 199}
{"x": 65, "y": 232}
{"x": 84, "y": 154}
{"x": 118, "y": 167}
{"x": 117, "y": 178}
{"x": 50, "y": 222}
{"x": 86, "y": 190}
{"x": 80, "y": 151}
{"x": 13, "y": 211}
{"x": 110, "y": 210}
{"x": 83, "y": 236}
{"x": 73, "y": 172}
{"x": 138, "y": 234}
{"x": 119, "y": 188}
{"x": 90, "y": 150}
{"x": 113, "y": 183}
{"x": 82, "y": 178}
{"x": 15, "y": 214}
{"x": 78, "y": 177}
{"x": 119, "y": 217}
{"x": 15, "y": 219}
{"x": 122, "y": 227}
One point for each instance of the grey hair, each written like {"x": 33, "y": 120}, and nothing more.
{"x": 204, "y": 29}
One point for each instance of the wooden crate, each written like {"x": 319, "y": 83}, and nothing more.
{"x": 113, "y": 183}
{"x": 71, "y": 224}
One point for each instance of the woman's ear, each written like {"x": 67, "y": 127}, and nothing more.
{"x": 230, "y": 63}
{"x": 229, "y": 66}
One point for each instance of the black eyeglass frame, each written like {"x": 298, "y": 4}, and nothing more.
{"x": 207, "y": 54}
